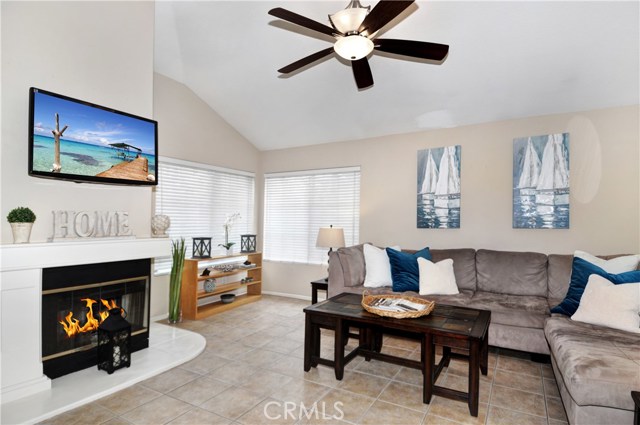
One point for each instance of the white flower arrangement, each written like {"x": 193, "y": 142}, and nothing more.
{"x": 228, "y": 223}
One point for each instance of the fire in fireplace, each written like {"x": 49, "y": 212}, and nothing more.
{"x": 75, "y": 300}
{"x": 72, "y": 325}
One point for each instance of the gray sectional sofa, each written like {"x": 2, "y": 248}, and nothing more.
{"x": 595, "y": 367}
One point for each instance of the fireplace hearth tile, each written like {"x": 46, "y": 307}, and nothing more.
{"x": 79, "y": 388}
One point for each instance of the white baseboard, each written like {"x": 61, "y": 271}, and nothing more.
{"x": 159, "y": 317}
{"x": 287, "y": 295}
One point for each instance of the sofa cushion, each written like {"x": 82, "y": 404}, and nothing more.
{"x": 461, "y": 300}
{"x": 526, "y": 311}
{"x": 377, "y": 267}
{"x": 404, "y": 269}
{"x": 559, "y": 271}
{"x": 352, "y": 260}
{"x": 513, "y": 273}
{"x": 606, "y": 304}
{"x": 621, "y": 264}
{"x": 599, "y": 366}
{"x": 437, "y": 278}
{"x": 559, "y": 276}
{"x": 464, "y": 265}
{"x": 580, "y": 272}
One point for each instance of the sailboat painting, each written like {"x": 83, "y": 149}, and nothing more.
{"x": 438, "y": 195}
{"x": 541, "y": 182}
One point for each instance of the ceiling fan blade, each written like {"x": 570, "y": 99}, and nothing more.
{"x": 416, "y": 49}
{"x": 362, "y": 73}
{"x": 306, "y": 61}
{"x": 294, "y": 18}
{"x": 382, "y": 14}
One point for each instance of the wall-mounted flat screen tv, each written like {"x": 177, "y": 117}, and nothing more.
{"x": 76, "y": 140}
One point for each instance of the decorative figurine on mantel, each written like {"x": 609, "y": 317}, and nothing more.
{"x": 159, "y": 225}
{"x": 228, "y": 246}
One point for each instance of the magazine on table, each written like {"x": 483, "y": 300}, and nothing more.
{"x": 397, "y": 304}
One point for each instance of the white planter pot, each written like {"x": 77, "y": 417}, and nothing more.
{"x": 21, "y": 232}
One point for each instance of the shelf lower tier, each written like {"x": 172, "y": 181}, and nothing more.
{"x": 218, "y": 307}
{"x": 226, "y": 287}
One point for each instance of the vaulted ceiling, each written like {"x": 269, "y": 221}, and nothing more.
{"x": 506, "y": 60}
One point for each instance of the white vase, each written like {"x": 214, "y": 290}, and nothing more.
{"x": 21, "y": 232}
{"x": 159, "y": 225}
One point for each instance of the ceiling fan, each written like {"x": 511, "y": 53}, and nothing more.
{"x": 354, "y": 29}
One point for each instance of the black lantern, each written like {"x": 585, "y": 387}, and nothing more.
{"x": 114, "y": 342}
{"x": 247, "y": 243}
{"x": 201, "y": 248}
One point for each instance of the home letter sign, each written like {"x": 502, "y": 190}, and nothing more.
{"x": 90, "y": 224}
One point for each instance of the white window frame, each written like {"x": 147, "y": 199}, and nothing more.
{"x": 293, "y": 239}
{"x": 211, "y": 225}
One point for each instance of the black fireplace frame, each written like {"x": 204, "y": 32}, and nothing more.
{"x": 62, "y": 277}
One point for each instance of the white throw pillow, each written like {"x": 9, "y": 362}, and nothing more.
{"x": 615, "y": 265}
{"x": 377, "y": 266}
{"x": 437, "y": 278}
{"x": 606, "y": 304}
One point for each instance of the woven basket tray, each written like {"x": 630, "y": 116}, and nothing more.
{"x": 368, "y": 300}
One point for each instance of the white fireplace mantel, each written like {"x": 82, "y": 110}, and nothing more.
{"x": 80, "y": 251}
{"x": 20, "y": 297}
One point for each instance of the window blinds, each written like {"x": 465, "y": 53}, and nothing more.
{"x": 297, "y": 204}
{"x": 198, "y": 198}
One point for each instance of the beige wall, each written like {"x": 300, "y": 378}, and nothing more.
{"x": 101, "y": 52}
{"x": 190, "y": 130}
{"x": 605, "y": 188}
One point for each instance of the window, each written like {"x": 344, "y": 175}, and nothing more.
{"x": 198, "y": 198}
{"x": 297, "y": 204}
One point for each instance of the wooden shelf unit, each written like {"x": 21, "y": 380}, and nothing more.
{"x": 191, "y": 292}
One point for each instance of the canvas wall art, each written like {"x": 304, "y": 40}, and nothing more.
{"x": 438, "y": 199}
{"x": 541, "y": 182}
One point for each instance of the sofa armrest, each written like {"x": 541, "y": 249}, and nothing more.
{"x": 336, "y": 275}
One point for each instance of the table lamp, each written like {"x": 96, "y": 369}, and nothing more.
{"x": 330, "y": 237}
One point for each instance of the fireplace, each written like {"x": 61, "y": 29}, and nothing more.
{"x": 76, "y": 299}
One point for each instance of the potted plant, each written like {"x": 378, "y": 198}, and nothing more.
{"x": 178, "y": 250}
{"x": 227, "y": 226}
{"x": 21, "y": 220}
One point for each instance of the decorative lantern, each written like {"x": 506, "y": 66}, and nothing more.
{"x": 247, "y": 243}
{"x": 201, "y": 248}
{"x": 114, "y": 342}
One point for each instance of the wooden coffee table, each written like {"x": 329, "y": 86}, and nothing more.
{"x": 448, "y": 326}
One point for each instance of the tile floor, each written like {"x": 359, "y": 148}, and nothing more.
{"x": 252, "y": 373}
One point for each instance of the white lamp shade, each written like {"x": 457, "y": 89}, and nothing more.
{"x": 353, "y": 47}
{"x": 330, "y": 237}
{"x": 348, "y": 20}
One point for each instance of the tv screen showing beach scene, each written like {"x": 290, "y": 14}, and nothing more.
{"x": 77, "y": 140}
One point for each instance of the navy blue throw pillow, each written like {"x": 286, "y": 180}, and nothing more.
{"x": 580, "y": 272}
{"x": 405, "y": 273}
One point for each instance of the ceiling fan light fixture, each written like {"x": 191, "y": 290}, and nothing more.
{"x": 348, "y": 20}
{"x": 353, "y": 47}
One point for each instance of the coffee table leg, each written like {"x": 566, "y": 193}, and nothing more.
{"x": 338, "y": 358}
{"x": 474, "y": 376}
{"x": 377, "y": 338}
{"x": 428, "y": 358}
{"x": 308, "y": 342}
{"x": 366, "y": 339}
{"x": 484, "y": 359}
{"x": 446, "y": 355}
